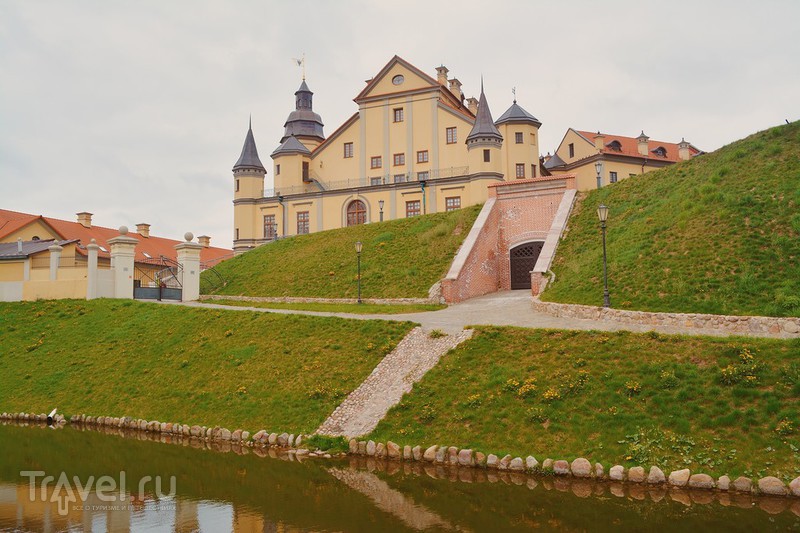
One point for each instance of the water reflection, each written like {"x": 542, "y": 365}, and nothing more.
{"x": 241, "y": 492}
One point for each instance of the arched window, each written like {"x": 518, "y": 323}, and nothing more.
{"x": 660, "y": 151}
{"x": 356, "y": 213}
{"x": 615, "y": 145}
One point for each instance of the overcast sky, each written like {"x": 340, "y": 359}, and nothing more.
{"x": 136, "y": 111}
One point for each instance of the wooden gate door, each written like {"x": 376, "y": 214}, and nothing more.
{"x": 523, "y": 259}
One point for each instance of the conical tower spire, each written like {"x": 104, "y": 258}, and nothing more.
{"x": 249, "y": 157}
{"x": 484, "y": 128}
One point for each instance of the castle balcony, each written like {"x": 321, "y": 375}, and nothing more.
{"x": 318, "y": 185}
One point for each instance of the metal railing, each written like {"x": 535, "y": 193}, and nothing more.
{"x": 369, "y": 181}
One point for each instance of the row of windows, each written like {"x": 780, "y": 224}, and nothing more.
{"x": 356, "y": 214}
{"x": 399, "y": 160}
{"x": 422, "y": 155}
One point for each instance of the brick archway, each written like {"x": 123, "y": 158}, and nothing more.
{"x": 522, "y": 259}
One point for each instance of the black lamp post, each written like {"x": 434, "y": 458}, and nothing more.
{"x": 599, "y": 168}
{"x": 358, "y": 256}
{"x": 380, "y": 205}
{"x": 602, "y": 214}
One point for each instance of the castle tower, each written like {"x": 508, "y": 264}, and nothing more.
{"x": 303, "y": 123}
{"x": 248, "y": 176}
{"x": 521, "y": 131}
{"x": 484, "y": 142}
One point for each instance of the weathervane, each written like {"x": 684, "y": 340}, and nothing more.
{"x": 514, "y": 92}
{"x": 301, "y": 63}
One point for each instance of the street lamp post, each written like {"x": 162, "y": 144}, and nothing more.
{"x": 602, "y": 214}
{"x": 380, "y": 205}
{"x": 358, "y": 256}
{"x": 599, "y": 168}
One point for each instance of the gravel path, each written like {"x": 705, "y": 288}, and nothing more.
{"x": 506, "y": 308}
{"x": 394, "y": 376}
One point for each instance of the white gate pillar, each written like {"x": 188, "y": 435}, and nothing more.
{"x": 189, "y": 259}
{"x": 123, "y": 249}
{"x": 91, "y": 270}
{"x": 55, "y": 259}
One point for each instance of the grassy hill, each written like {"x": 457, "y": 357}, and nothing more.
{"x": 712, "y": 405}
{"x": 400, "y": 258}
{"x": 718, "y": 234}
{"x": 178, "y": 364}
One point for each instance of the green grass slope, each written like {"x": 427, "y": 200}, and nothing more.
{"x": 718, "y": 234}
{"x": 712, "y": 405}
{"x": 400, "y": 258}
{"x": 177, "y": 364}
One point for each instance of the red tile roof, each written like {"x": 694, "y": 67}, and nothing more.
{"x": 630, "y": 146}
{"x": 11, "y": 221}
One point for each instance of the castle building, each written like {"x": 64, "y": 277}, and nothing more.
{"x": 599, "y": 159}
{"x": 415, "y": 145}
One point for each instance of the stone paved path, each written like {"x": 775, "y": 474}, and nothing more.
{"x": 507, "y": 308}
{"x": 394, "y": 376}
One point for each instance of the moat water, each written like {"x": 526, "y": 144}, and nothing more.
{"x": 230, "y": 489}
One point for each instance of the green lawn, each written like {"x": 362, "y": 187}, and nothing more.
{"x": 400, "y": 258}
{"x": 177, "y": 364}
{"x": 617, "y": 398}
{"x": 359, "y": 309}
{"x": 718, "y": 234}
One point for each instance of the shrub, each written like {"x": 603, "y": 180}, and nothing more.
{"x": 632, "y": 388}
{"x": 745, "y": 371}
{"x": 668, "y": 379}
{"x": 537, "y": 414}
{"x": 527, "y": 389}
{"x": 437, "y": 334}
{"x": 551, "y": 395}
{"x": 428, "y": 414}
{"x": 784, "y": 428}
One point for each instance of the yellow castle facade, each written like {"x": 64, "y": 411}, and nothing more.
{"x": 415, "y": 145}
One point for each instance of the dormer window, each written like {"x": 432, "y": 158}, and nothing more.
{"x": 660, "y": 151}
{"x": 615, "y": 145}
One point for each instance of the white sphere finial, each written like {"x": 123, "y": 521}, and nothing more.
{"x": 188, "y": 236}
{"x": 93, "y": 241}
{"x": 123, "y": 230}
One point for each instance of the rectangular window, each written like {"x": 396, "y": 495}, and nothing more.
{"x": 398, "y": 114}
{"x": 452, "y": 203}
{"x": 571, "y": 150}
{"x": 270, "y": 228}
{"x": 376, "y": 181}
{"x": 422, "y": 156}
{"x": 487, "y": 156}
{"x": 399, "y": 159}
{"x": 302, "y": 222}
{"x": 412, "y": 208}
{"x": 613, "y": 177}
{"x": 277, "y": 170}
{"x": 236, "y": 234}
{"x": 533, "y": 170}
{"x": 399, "y": 178}
{"x": 520, "y": 170}
{"x": 631, "y": 175}
{"x": 423, "y": 176}
{"x": 348, "y": 150}
{"x": 237, "y": 185}
{"x": 518, "y": 137}
{"x": 305, "y": 171}
{"x": 452, "y": 136}
{"x": 375, "y": 162}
